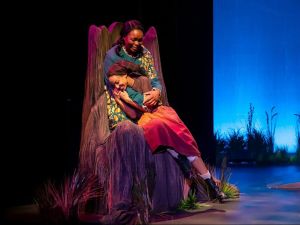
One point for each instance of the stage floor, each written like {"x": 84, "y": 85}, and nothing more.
{"x": 258, "y": 204}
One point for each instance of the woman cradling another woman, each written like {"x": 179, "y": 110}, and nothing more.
{"x": 126, "y": 63}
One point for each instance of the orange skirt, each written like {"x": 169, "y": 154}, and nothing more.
{"x": 163, "y": 127}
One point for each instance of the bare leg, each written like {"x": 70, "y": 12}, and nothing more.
{"x": 199, "y": 165}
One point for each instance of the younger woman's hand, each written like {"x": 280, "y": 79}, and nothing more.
{"x": 124, "y": 96}
{"x": 116, "y": 93}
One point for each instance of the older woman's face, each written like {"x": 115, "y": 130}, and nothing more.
{"x": 118, "y": 81}
{"x": 133, "y": 41}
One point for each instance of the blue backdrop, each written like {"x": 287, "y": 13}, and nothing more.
{"x": 257, "y": 60}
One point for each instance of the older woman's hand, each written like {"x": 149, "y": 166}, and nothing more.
{"x": 151, "y": 97}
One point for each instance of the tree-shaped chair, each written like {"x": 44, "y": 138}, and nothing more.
{"x": 131, "y": 176}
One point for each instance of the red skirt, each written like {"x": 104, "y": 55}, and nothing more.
{"x": 163, "y": 127}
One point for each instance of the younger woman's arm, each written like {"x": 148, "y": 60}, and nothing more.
{"x": 125, "y": 97}
{"x": 126, "y": 108}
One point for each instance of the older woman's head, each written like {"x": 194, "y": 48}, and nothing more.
{"x": 131, "y": 39}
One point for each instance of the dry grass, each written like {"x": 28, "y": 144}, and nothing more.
{"x": 60, "y": 203}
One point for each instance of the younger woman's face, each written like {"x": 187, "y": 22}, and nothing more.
{"x": 133, "y": 41}
{"x": 118, "y": 81}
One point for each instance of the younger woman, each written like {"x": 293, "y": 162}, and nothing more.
{"x": 161, "y": 125}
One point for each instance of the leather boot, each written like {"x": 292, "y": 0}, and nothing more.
{"x": 214, "y": 191}
{"x": 184, "y": 165}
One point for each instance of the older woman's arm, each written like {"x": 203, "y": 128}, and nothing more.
{"x": 153, "y": 96}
